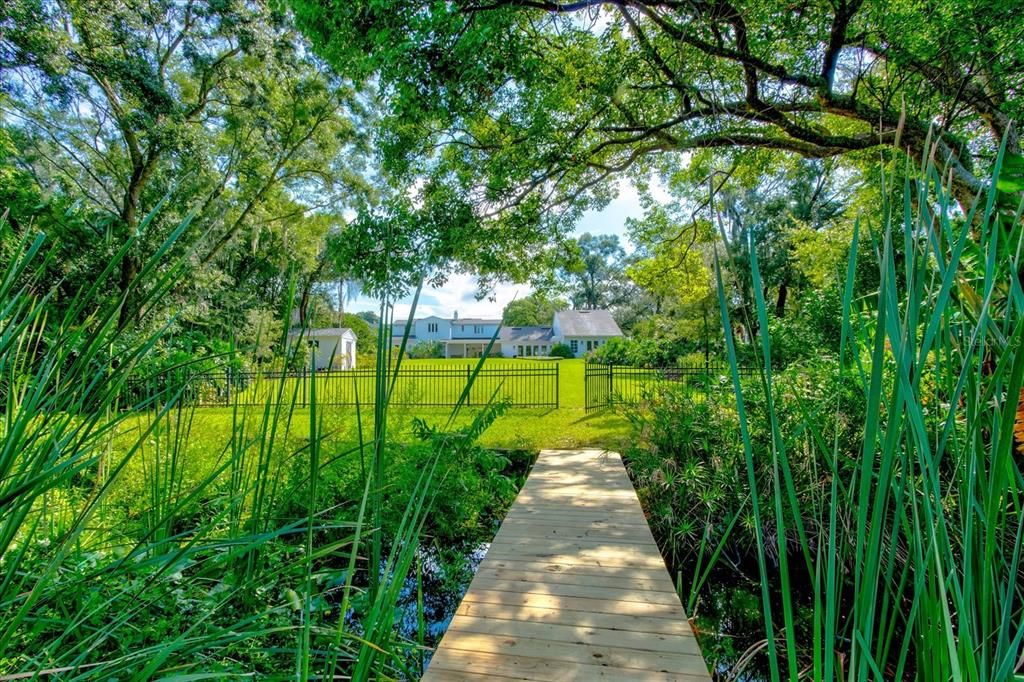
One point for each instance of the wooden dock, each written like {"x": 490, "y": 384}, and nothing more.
{"x": 572, "y": 588}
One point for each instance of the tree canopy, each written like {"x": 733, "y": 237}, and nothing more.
{"x": 520, "y": 101}
{"x": 535, "y": 310}
{"x": 215, "y": 114}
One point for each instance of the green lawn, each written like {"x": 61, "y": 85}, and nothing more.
{"x": 519, "y": 428}
{"x": 211, "y": 432}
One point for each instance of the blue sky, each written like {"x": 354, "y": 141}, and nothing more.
{"x": 459, "y": 293}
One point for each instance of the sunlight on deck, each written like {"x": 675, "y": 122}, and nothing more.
{"x": 572, "y": 588}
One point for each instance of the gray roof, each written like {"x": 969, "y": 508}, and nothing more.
{"x": 525, "y": 334}
{"x": 474, "y": 320}
{"x": 453, "y": 320}
{"x": 327, "y": 331}
{"x": 587, "y": 323}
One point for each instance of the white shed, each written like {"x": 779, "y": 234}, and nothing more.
{"x": 584, "y": 330}
{"x": 335, "y": 347}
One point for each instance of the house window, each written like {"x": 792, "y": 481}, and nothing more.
{"x": 520, "y": 351}
{"x": 478, "y": 329}
{"x": 590, "y": 345}
{"x": 575, "y": 346}
{"x": 431, "y": 327}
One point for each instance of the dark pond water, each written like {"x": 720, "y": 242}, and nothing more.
{"x": 442, "y": 574}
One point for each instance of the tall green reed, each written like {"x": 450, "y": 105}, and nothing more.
{"x": 90, "y": 591}
{"x": 918, "y": 570}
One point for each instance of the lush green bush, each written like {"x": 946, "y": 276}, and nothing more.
{"x": 686, "y": 456}
{"x": 642, "y": 352}
{"x": 366, "y": 335}
{"x": 424, "y": 350}
{"x": 561, "y": 350}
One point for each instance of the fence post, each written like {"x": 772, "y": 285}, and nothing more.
{"x": 611, "y": 386}
{"x": 469, "y": 391}
{"x": 227, "y": 384}
{"x": 557, "y": 382}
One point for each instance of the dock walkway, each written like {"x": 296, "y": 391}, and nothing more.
{"x": 572, "y": 588}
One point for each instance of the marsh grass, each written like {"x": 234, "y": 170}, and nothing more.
{"x": 233, "y": 564}
{"x": 912, "y": 545}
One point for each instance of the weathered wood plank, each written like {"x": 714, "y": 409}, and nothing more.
{"x": 553, "y": 632}
{"x": 572, "y": 588}
{"x": 587, "y": 590}
{"x": 581, "y": 652}
{"x": 529, "y": 668}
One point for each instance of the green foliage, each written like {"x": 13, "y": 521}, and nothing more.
{"x": 370, "y": 317}
{"x": 535, "y": 310}
{"x": 643, "y": 352}
{"x": 426, "y": 349}
{"x": 366, "y": 335}
{"x": 561, "y": 350}
{"x": 518, "y": 102}
{"x": 226, "y": 119}
{"x": 596, "y": 272}
{"x": 136, "y": 542}
{"x": 894, "y": 492}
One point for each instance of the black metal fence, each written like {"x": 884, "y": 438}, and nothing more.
{"x": 413, "y": 386}
{"x": 608, "y": 385}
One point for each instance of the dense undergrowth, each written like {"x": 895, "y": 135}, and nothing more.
{"x": 135, "y": 544}
{"x": 857, "y": 514}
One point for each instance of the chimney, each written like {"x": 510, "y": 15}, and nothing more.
{"x": 456, "y": 317}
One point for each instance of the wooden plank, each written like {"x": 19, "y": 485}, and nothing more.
{"x": 557, "y": 568}
{"x": 572, "y": 588}
{"x": 484, "y": 665}
{"x": 609, "y": 528}
{"x": 581, "y": 652}
{"x": 553, "y": 632}
{"x": 627, "y": 623}
{"x": 586, "y": 590}
{"x": 601, "y": 556}
{"x": 636, "y": 584}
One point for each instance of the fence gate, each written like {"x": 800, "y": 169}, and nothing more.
{"x": 597, "y": 386}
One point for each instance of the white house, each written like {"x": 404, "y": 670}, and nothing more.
{"x": 461, "y": 338}
{"x": 335, "y": 348}
{"x": 584, "y": 330}
{"x": 581, "y": 330}
{"x": 525, "y": 342}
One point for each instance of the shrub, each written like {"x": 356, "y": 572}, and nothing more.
{"x": 661, "y": 352}
{"x": 426, "y": 349}
{"x": 561, "y": 350}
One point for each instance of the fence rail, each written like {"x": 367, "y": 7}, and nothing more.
{"x": 608, "y": 385}
{"x": 413, "y": 386}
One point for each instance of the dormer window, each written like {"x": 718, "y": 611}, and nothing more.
{"x": 431, "y": 327}
{"x": 478, "y": 329}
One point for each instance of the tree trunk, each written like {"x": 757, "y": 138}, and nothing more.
{"x": 129, "y": 271}
{"x": 780, "y": 302}
{"x": 341, "y": 302}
